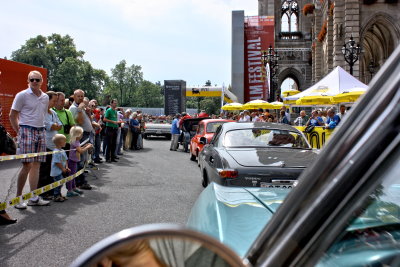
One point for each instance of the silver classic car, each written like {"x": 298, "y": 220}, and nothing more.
{"x": 157, "y": 128}
{"x": 255, "y": 155}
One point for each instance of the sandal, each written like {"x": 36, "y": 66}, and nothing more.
{"x": 59, "y": 199}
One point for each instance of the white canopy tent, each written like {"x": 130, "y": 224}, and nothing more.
{"x": 336, "y": 82}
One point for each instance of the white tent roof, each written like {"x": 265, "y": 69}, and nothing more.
{"x": 336, "y": 82}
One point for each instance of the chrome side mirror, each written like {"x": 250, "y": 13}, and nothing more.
{"x": 158, "y": 245}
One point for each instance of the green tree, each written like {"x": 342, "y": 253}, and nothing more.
{"x": 148, "y": 95}
{"x": 124, "y": 83}
{"x": 66, "y": 68}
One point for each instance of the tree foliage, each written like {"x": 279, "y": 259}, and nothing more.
{"x": 66, "y": 68}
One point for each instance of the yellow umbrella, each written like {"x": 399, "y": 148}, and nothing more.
{"x": 258, "y": 103}
{"x": 232, "y": 106}
{"x": 277, "y": 104}
{"x": 347, "y": 97}
{"x": 290, "y": 92}
{"x": 314, "y": 100}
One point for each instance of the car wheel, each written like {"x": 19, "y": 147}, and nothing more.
{"x": 168, "y": 137}
{"x": 204, "y": 182}
{"x": 145, "y": 136}
{"x": 192, "y": 157}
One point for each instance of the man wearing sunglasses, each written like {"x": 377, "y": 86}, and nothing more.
{"x": 27, "y": 117}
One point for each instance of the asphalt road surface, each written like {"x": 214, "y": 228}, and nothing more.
{"x": 153, "y": 185}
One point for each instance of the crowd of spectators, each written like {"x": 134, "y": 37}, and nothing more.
{"x": 76, "y": 130}
{"x": 322, "y": 117}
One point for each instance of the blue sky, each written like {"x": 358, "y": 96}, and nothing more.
{"x": 170, "y": 39}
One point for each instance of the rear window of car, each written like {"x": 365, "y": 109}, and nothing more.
{"x": 212, "y": 126}
{"x": 264, "y": 138}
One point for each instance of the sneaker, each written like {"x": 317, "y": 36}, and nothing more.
{"x": 85, "y": 187}
{"x": 59, "y": 199}
{"x": 76, "y": 190}
{"x": 72, "y": 194}
{"x": 39, "y": 202}
{"x": 21, "y": 206}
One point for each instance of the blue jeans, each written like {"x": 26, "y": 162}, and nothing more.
{"x": 97, "y": 146}
{"x": 57, "y": 190}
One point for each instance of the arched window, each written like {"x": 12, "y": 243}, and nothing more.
{"x": 289, "y": 19}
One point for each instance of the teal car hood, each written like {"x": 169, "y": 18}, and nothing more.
{"x": 234, "y": 215}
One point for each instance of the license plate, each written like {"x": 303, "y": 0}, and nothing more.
{"x": 268, "y": 185}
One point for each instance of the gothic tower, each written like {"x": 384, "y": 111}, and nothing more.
{"x": 292, "y": 41}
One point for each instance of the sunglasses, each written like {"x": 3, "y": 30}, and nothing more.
{"x": 35, "y": 80}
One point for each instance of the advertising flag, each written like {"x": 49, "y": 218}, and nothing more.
{"x": 258, "y": 36}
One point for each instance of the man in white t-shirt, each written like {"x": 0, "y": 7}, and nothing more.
{"x": 27, "y": 117}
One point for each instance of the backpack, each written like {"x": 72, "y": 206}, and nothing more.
{"x": 7, "y": 144}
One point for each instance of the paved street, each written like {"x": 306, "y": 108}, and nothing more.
{"x": 149, "y": 186}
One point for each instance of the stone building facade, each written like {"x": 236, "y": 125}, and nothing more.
{"x": 325, "y": 28}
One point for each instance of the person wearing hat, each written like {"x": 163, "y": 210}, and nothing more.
{"x": 175, "y": 132}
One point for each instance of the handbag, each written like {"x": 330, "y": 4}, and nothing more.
{"x": 7, "y": 144}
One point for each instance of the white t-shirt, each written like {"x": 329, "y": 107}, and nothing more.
{"x": 32, "y": 108}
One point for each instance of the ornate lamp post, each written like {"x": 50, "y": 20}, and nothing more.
{"x": 351, "y": 53}
{"x": 271, "y": 58}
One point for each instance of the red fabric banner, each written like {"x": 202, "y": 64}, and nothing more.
{"x": 258, "y": 36}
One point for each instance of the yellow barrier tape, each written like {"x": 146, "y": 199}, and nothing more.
{"x": 27, "y": 196}
{"x": 39, "y": 191}
{"x": 29, "y": 155}
{"x": 3, "y": 206}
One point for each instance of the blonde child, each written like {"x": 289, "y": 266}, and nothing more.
{"x": 59, "y": 164}
{"x": 76, "y": 133}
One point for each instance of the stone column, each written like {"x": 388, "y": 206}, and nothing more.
{"x": 338, "y": 34}
{"x": 319, "y": 57}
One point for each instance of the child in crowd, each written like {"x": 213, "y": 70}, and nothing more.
{"x": 59, "y": 165}
{"x": 76, "y": 133}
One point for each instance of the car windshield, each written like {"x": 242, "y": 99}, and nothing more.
{"x": 375, "y": 234}
{"x": 212, "y": 126}
{"x": 254, "y": 137}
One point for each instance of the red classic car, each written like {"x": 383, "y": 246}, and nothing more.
{"x": 206, "y": 129}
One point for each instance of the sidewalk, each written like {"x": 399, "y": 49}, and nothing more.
{"x": 8, "y": 179}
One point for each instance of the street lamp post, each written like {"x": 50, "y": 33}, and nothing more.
{"x": 271, "y": 58}
{"x": 351, "y": 53}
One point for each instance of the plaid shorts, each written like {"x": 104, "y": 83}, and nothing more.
{"x": 32, "y": 140}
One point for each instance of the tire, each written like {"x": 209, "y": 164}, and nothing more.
{"x": 204, "y": 182}
{"x": 192, "y": 157}
{"x": 145, "y": 136}
{"x": 168, "y": 137}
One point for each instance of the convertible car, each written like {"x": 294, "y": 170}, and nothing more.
{"x": 344, "y": 210}
{"x": 254, "y": 154}
{"x": 206, "y": 129}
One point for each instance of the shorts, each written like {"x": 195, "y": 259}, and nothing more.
{"x": 32, "y": 140}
